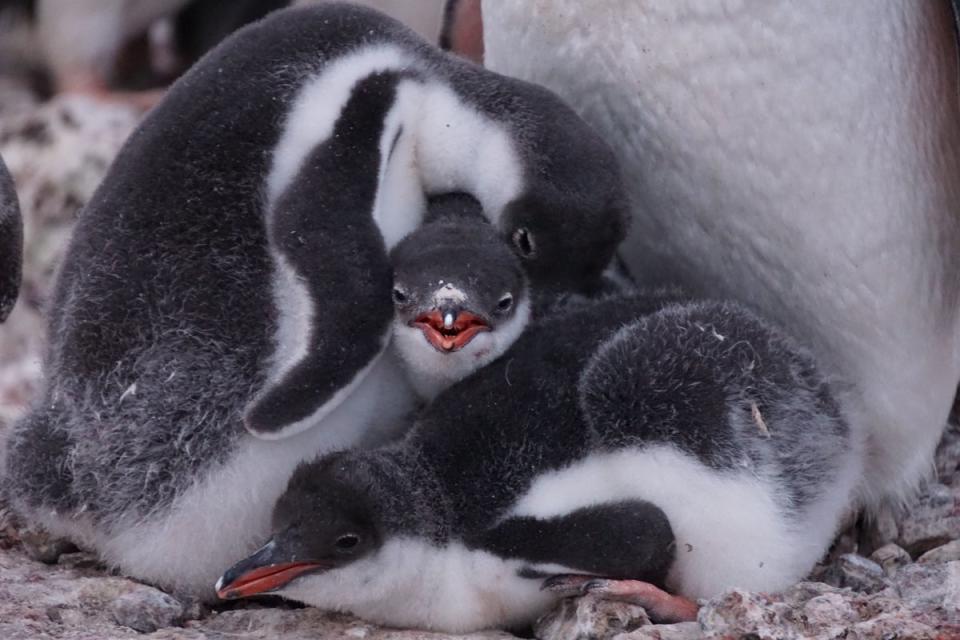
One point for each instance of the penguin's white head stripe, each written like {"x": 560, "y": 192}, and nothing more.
{"x": 461, "y": 149}
{"x": 318, "y": 105}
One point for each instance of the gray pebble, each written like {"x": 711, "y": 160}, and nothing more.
{"x": 147, "y": 609}
{"x": 891, "y": 558}
{"x": 946, "y": 553}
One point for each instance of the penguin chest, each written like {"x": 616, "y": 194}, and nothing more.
{"x": 412, "y": 583}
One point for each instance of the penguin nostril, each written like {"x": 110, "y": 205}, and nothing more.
{"x": 347, "y": 542}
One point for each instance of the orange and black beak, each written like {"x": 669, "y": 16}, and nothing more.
{"x": 263, "y": 572}
{"x": 450, "y": 329}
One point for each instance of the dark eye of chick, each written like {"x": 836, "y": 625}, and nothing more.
{"x": 399, "y": 296}
{"x": 505, "y": 303}
{"x": 347, "y": 541}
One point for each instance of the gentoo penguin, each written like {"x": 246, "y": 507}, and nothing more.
{"x": 237, "y": 251}
{"x": 803, "y": 157}
{"x": 460, "y": 294}
{"x": 688, "y": 446}
{"x": 11, "y": 243}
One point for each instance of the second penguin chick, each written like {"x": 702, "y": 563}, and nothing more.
{"x": 460, "y": 295}
{"x": 628, "y": 448}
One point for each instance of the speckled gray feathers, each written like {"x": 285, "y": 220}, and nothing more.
{"x": 162, "y": 323}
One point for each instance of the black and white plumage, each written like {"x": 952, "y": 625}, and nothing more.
{"x": 689, "y": 445}
{"x": 11, "y": 243}
{"x": 460, "y": 295}
{"x": 237, "y": 250}
{"x": 754, "y": 178}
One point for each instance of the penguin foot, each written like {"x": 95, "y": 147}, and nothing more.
{"x": 660, "y": 605}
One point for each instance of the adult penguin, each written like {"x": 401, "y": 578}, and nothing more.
{"x": 801, "y": 157}
{"x": 232, "y": 271}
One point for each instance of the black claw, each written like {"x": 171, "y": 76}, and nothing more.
{"x": 594, "y": 585}
{"x": 567, "y": 585}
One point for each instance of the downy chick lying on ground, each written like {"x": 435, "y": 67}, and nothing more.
{"x": 628, "y": 445}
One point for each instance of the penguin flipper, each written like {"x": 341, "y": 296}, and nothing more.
{"x": 11, "y": 243}
{"x": 336, "y": 263}
{"x": 631, "y": 539}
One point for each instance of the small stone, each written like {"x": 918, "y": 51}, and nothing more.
{"x": 146, "y": 609}
{"x": 861, "y": 574}
{"x": 193, "y": 608}
{"x": 932, "y": 521}
{"x": 891, "y": 557}
{"x": 946, "y": 553}
{"x": 589, "y": 616}
{"x": 679, "y": 631}
{"x": 932, "y": 588}
{"x": 855, "y": 572}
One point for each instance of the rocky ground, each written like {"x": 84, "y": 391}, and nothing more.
{"x": 905, "y": 585}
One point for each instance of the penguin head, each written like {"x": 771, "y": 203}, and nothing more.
{"x": 460, "y": 297}
{"x": 562, "y": 245}
{"x": 323, "y": 522}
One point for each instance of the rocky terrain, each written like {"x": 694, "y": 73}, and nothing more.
{"x": 899, "y": 577}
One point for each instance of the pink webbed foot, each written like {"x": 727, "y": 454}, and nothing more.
{"x": 660, "y": 605}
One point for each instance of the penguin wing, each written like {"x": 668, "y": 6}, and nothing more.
{"x": 11, "y": 243}
{"x": 631, "y": 539}
{"x": 335, "y": 273}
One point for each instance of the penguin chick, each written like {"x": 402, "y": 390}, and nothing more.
{"x": 11, "y": 243}
{"x": 688, "y": 447}
{"x": 460, "y": 296}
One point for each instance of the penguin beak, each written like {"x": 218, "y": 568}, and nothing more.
{"x": 266, "y": 570}
{"x": 449, "y": 328}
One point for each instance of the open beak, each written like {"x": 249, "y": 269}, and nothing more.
{"x": 262, "y": 572}
{"x": 450, "y": 329}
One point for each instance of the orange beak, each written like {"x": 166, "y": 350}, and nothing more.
{"x": 446, "y": 336}
{"x": 245, "y": 579}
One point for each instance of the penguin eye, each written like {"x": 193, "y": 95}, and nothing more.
{"x": 399, "y": 296}
{"x": 523, "y": 241}
{"x": 347, "y": 542}
{"x": 505, "y": 302}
